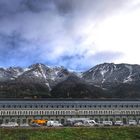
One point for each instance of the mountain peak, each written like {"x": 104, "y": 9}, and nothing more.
{"x": 97, "y": 75}
{"x": 39, "y": 78}
{"x": 37, "y": 65}
{"x": 112, "y": 73}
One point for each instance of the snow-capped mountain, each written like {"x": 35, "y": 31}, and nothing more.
{"x": 36, "y": 73}
{"x": 112, "y": 73}
{"x": 40, "y": 73}
{"x": 98, "y": 75}
{"x": 106, "y": 80}
{"x": 10, "y": 73}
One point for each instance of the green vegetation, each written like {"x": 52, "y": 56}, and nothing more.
{"x": 122, "y": 133}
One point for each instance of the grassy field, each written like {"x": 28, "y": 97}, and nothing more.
{"x": 123, "y": 133}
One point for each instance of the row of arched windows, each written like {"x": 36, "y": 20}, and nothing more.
{"x": 73, "y": 106}
{"x": 67, "y": 112}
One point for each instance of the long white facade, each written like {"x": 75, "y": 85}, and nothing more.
{"x": 23, "y": 111}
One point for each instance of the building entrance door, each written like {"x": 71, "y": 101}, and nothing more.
{"x": 1, "y": 121}
{"x": 124, "y": 120}
{"x": 62, "y": 121}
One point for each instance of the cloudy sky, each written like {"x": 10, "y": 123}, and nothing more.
{"x": 76, "y": 34}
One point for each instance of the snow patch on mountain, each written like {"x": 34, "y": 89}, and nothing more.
{"x": 26, "y": 69}
{"x": 129, "y": 68}
{"x": 42, "y": 72}
{"x": 37, "y": 74}
{"x": 103, "y": 71}
{"x": 48, "y": 85}
{"x": 128, "y": 79}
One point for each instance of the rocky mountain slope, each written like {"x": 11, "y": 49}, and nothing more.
{"x": 106, "y": 80}
{"x": 112, "y": 73}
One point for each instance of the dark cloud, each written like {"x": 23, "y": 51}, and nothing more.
{"x": 52, "y": 31}
{"x": 14, "y": 51}
{"x": 84, "y": 7}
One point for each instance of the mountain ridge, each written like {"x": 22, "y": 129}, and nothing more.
{"x": 101, "y": 81}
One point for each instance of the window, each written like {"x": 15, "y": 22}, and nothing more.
{"x": 132, "y": 112}
{"x": 3, "y": 113}
{"x": 12, "y": 112}
{"x": 127, "y": 112}
{"x": 109, "y": 106}
{"x": 95, "y": 112}
{"x": 85, "y": 112}
{"x": 8, "y": 106}
{"x": 100, "y": 112}
{"x": 122, "y": 112}
{"x": 110, "y": 112}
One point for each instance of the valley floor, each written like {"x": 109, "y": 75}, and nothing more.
{"x": 111, "y": 133}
